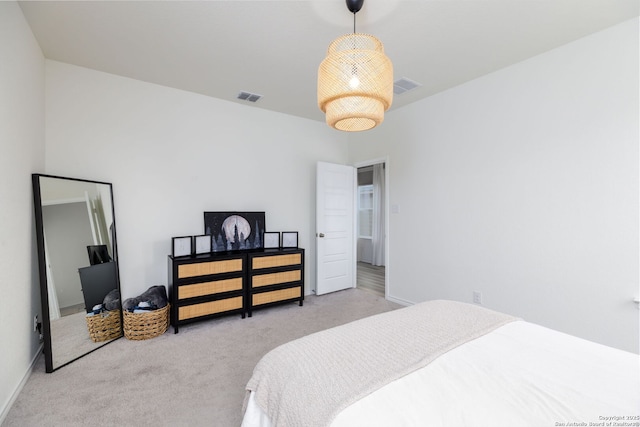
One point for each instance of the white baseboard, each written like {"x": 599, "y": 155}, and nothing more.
{"x": 16, "y": 392}
{"x": 399, "y": 301}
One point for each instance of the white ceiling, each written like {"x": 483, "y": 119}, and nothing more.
{"x": 273, "y": 47}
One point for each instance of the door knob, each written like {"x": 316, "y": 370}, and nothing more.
{"x": 321, "y": 235}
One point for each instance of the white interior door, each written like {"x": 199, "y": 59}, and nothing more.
{"x": 335, "y": 222}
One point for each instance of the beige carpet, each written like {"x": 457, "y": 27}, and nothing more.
{"x": 70, "y": 337}
{"x": 194, "y": 378}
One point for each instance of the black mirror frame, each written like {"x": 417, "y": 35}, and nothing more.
{"x": 42, "y": 270}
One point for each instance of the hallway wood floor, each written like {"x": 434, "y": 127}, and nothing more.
{"x": 370, "y": 278}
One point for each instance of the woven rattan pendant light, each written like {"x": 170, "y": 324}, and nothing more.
{"x": 355, "y": 80}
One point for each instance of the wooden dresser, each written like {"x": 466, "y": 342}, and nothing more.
{"x": 275, "y": 276}
{"x": 206, "y": 286}
{"x": 211, "y": 285}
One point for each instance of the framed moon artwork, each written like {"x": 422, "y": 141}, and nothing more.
{"x": 235, "y": 231}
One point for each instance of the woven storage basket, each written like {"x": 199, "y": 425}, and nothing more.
{"x": 143, "y": 326}
{"x": 104, "y": 326}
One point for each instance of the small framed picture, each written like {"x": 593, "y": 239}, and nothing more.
{"x": 181, "y": 246}
{"x": 271, "y": 239}
{"x": 202, "y": 244}
{"x": 289, "y": 239}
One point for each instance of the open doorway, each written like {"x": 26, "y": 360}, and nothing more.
{"x": 371, "y": 194}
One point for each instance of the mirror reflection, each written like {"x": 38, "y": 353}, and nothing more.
{"x": 78, "y": 267}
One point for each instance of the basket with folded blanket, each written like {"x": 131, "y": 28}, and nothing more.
{"x": 146, "y": 316}
{"x": 103, "y": 321}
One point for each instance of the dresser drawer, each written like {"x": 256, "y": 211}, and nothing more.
{"x": 275, "y": 278}
{"x": 276, "y": 261}
{"x": 211, "y": 307}
{"x": 273, "y": 296}
{"x": 208, "y": 268}
{"x": 209, "y": 288}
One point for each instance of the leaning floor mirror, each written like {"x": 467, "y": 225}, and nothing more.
{"x": 78, "y": 267}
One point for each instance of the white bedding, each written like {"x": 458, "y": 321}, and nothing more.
{"x": 520, "y": 374}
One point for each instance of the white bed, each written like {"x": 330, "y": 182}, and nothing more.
{"x": 519, "y": 374}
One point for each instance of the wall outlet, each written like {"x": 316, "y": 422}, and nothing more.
{"x": 35, "y": 323}
{"x": 477, "y": 297}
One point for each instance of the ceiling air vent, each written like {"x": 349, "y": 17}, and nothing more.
{"x": 247, "y": 96}
{"x": 403, "y": 85}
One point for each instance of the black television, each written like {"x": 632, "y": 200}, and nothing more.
{"x": 98, "y": 254}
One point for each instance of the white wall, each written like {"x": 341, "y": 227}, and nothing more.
{"x": 22, "y": 153}
{"x": 523, "y": 185}
{"x": 171, "y": 155}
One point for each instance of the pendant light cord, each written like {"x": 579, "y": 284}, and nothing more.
{"x": 354, "y": 6}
